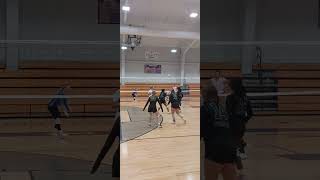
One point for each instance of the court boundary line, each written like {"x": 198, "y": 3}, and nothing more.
{"x": 52, "y": 155}
{"x": 192, "y": 135}
{"x": 137, "y": 136}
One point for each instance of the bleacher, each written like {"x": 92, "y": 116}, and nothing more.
{"x": 126, "y": 90}
{"x": 44, "y": 78}
{"x": 276, "y": 78}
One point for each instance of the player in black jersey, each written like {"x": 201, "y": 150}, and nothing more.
{"x": 216, "y": 132}
{"x": 180, "y": 94}
{"x": 134, "y": 94}
{"x": 175, "y": 101}
{"x": 239, "y": 109}
{"x": 54, "y": 106}
{"x": 152, "y": 109}
{"x": 162, "y": 98}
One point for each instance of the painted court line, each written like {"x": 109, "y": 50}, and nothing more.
{"x": 124, "y": 116}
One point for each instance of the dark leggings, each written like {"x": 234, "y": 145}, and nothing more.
{"x": 54, "y": 111}
{"x": 57, "y": 126}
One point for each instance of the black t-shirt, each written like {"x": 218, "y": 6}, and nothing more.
{"x": 162, "y": 96}
{"x": 217, "y": 134}
{"x": 153, "y": 100}
{"x": 215, "y": 123}
{"x": 174, "y": 99}
{"x": 239, "y": 107}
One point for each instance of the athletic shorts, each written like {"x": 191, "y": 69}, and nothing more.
{"x": 175, "y": 106}
{"x": 175, "y": 109}
{"x": 221, "y": 154}
{"x": 163, "y": 101}
{"x": 54, "y": 111}
{"x": 152, "y": 109}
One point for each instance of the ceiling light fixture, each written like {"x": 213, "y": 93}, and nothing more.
{"x": 194, "y": 14}
{"x": 173, "y": 50}
{"x": 126, "y": 8}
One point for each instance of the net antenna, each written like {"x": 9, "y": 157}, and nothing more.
{"x": 259, "y": 57}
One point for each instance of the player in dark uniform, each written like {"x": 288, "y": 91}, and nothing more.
{"x": 175, "y": 102}
{"x": 134, "y": 94}
{"x": 152, "y": 109}
{"x": 180, "y": 95}
{"x": 216, "y": 132}
{"x": 162, "y": 98}
{"x": 239, "y": 109}
{"x": 114, "y": 133}
{"x": 53, "y": 107}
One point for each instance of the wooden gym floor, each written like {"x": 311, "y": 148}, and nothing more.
{"x": 282, "y": 147}
{"x": 171, "y": 152}
{"x": 279, "y": 147}
{"x": 31, "y": 151}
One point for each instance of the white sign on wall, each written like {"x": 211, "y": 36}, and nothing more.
{"x": 151, "y": 54}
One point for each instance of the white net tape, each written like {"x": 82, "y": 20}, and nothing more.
{"x": 300, "y": 93}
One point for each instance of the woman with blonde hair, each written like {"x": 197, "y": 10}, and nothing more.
{"x": 152, "y": 109}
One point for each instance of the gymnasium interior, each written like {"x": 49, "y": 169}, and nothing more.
{"x": 43, "y": 45}
{"x": 274, "y": 47}
{"x": 160, "y": 48}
